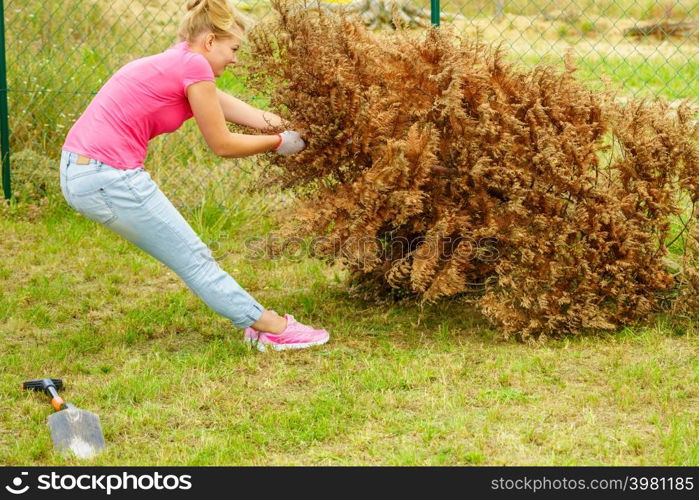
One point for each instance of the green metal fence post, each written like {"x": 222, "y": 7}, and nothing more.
{"x": 435, "y": 12}
{"x": 4, "y": 121}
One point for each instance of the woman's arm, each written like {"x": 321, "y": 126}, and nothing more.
{"x": 237, "y": 111}
{"x": 209, "y": 115}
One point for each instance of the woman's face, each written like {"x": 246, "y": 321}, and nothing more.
{"x": 220, "y": 52}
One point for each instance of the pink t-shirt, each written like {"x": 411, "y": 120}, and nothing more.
{"x": 145, "y": 98}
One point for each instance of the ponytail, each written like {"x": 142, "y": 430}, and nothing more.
{"x": 218, "y": 16}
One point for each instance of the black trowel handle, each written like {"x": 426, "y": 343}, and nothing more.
{"x": 49, "y": 386}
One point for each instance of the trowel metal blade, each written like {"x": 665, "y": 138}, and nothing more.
{"x": 78, "y": 431}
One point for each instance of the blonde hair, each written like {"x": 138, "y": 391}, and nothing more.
{"x": 218, "y": 16}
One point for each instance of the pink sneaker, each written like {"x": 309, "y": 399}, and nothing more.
{"x": 295, "y": 336}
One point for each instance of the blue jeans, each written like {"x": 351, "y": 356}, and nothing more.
{"x": 129, "y": 203}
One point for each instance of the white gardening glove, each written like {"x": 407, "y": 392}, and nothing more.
{"x": 290, "y": 143}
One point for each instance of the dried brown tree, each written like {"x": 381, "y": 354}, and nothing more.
{"x": 436, "y": 169}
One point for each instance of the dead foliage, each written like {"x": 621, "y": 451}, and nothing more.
{"x": 436, "y": 169}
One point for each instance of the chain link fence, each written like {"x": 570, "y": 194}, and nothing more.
{"x": 60, "y": 52}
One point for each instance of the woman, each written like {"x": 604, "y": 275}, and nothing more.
{"x": 103, "y": 177}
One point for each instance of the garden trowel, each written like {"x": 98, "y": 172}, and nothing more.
{"x": 72, "y": 429}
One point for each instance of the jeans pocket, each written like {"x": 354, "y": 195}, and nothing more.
{"x": 95, "y": 206}
{"x": 91, "y": 181}
{"x": 78, "y": 171}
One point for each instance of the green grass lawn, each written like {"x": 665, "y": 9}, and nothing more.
{"x": 634, "y": 76}
{"x": 174, "y": 384}
{"x": 402, "y": 385}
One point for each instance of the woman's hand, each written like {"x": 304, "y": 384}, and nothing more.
{"x": 290, "y": 142}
